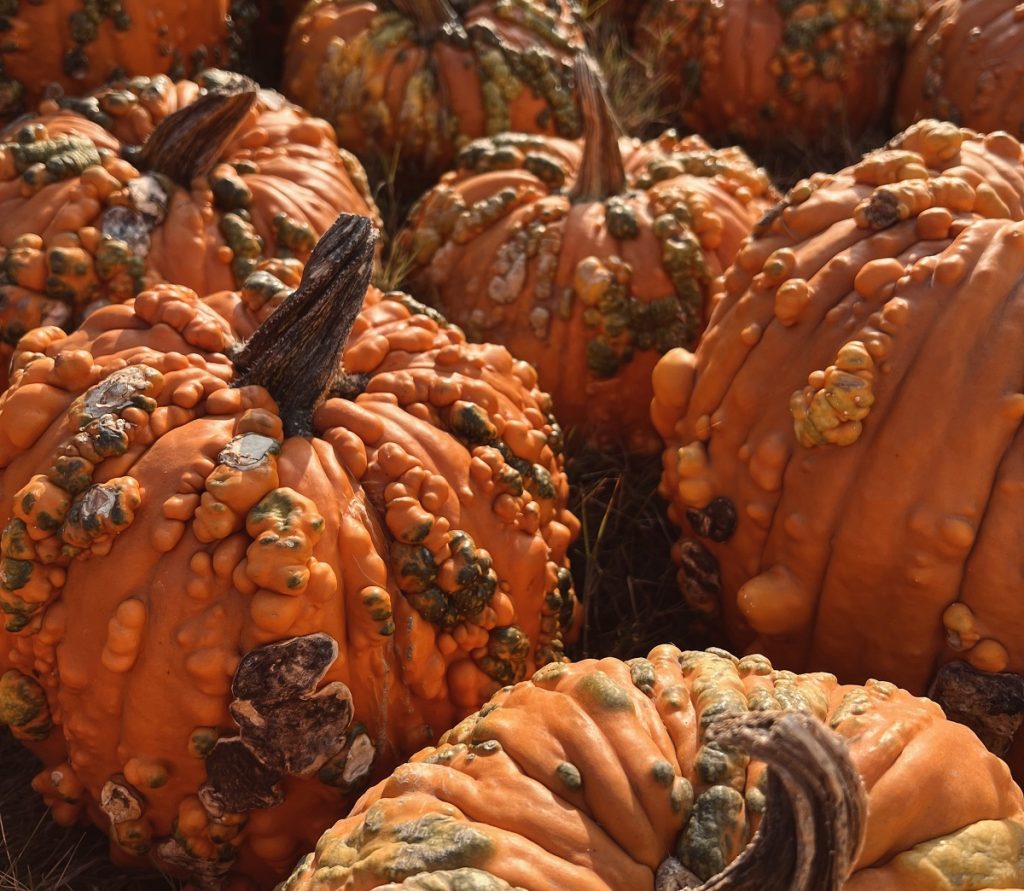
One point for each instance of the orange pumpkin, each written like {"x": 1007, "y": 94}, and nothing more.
{"x": 78, "y": 46}
{"x": 849, "y": 424}
{"x": 150, "y": 181}
{"x": 608, "y": 775}
{"x": 964, "y": 64}
{"x": 588, "y": 260}
{"x": 408, "y": 83}
{"x": 778, "y": 72}
{"x": 236, "y": 580}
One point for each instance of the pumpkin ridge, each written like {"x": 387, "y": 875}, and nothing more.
{"x": 190, "y": 142}
{"x": 472, "y": 809}
{"x": 306, "y": 335}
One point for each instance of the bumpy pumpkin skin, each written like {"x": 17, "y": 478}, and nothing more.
{"x": 588, "y": 776}
{"x": 775, "y": 73}
{"x": 590, "y": 291}
{"x": 964, "y": 64}
{"x": 397, "y": 86}
{"x": 80, "y": 45}
{"x": 426, "y": 528}
{"x": 81, "y": 226}
{"x": 869, "y": 310}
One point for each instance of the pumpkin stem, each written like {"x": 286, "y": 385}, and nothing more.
{"x": 990, "y": 703}
{"x": 190, "y": 142}
{"x": 816, "y": 806}
{"x": 435, "y": 18}
{"x": 602, "y": 173}
{"x": 295, "y": 354}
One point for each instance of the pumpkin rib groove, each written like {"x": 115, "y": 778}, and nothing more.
{"x": 945, "y": 335}
{"x": 868, "y": 437}
{"x": 818, "y": 279}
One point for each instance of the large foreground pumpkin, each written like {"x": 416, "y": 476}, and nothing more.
{"x": 588, "y": 259}
{"x": 79, "y": 45}
{"x": 227, "y": 597}
{"x": 778, "y": 72}
{"x": 844, "y": 449}
{"x": 965, "y": 63}
{"x": 608, "y": 775}
{"x": 148, "y": 181}
{"x": 409, "y": 82}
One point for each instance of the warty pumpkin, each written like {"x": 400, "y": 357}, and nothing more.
{"x": 587, "y": 259}
{"x": 79, "y": 45}
{"x": 843, "y": 449}
{"x": 777, "y": 73}
{"x": 407, "y": 83}
{"x": 964, "y": 63}
{"x": 236, "y": 580}
{"x": 145, "y": 181}
{"x": 606, "y": 775}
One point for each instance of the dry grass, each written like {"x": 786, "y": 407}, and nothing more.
{"x": 621, "y": 561}
{"x": 38, "y": 855}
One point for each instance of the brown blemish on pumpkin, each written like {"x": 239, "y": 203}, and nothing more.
{"x": 284, "y": 727}
{"x": 349, "y": 770}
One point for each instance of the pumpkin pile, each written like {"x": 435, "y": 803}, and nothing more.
{"x": 332, "y": 566}
{"x": 286, "y": 441}
{"x": 587, "y": 259}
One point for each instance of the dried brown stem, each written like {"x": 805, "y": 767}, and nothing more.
{"x": 991, "y": 704}
{"x": 190, "y": 142}
{"x": 434, "y": 17}
{"x": 816, "y": 810}
{"x": 601, "y": 174}
{"x": 295, "y": 354}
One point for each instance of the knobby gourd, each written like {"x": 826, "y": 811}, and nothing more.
{"x": 588, "y": 259}
{"x": 844, "y": 448}
{"x": 407, "y": 83}
{"x": 237, "y": 579}
{"x": 778, "y": 73}
{"x": 76, "y": 46}
{"x": 148, "y": 181}
{"x": 649, "y": 775}
{"x": 964, "y": 63}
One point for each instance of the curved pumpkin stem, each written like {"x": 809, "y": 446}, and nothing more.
{"x": 602, "y": 173}
{"x": 190, "y": 142}
{"x": 434, "y": 17}
{"x": 295, "y": 354}
{"x": 816, "y": 806}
